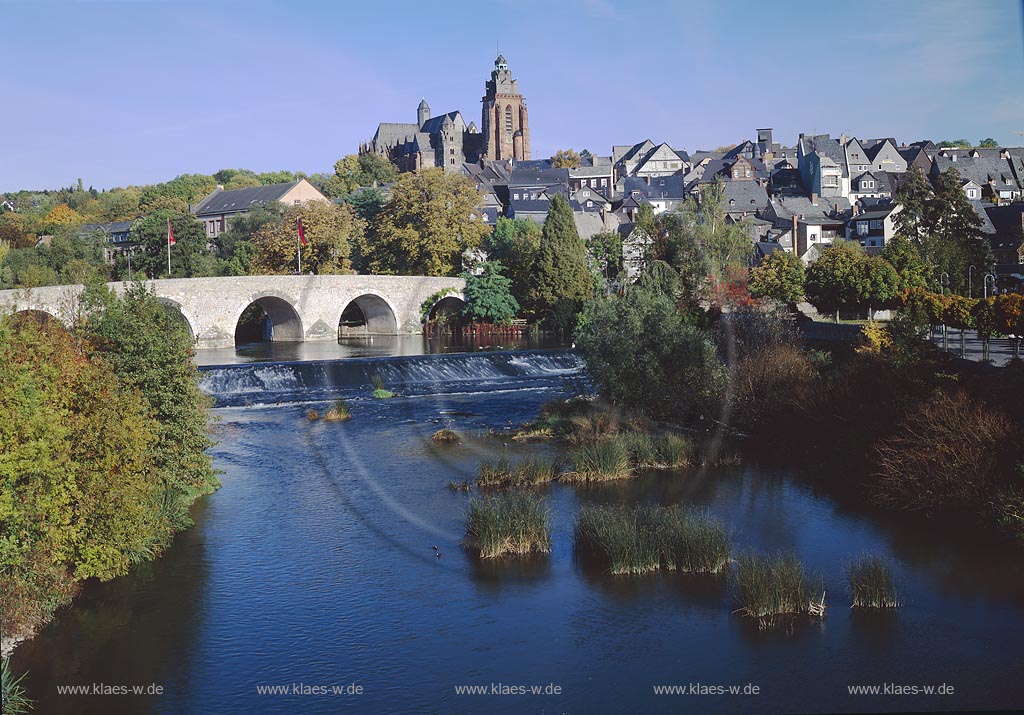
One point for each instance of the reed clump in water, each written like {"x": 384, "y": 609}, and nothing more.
{"x": 505, "y": 472}
{"x": 338, "y": 412}
{"x": 771, "y": 587}
{"x": 463, "y": 486}
{"x": 312, "y": 415}
{"x": 872, "y": 583}
{"x": 515, "y": 523}
{"x": 601, "y": 461}
{"x": 640, "y": 539}
{"x": 380, "y": 392}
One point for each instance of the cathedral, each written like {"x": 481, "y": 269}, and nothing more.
{"x": 447, "y": 141}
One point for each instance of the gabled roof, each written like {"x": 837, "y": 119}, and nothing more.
{"x": 538, "y": 172}
{"x": 434, "y": 124}
{"x": 873, "y": 146}
{"x": 826, "y": 147}
{"x": 987, "y": 227}
{"x": 745, "y": 196}
{"x": 982, "y": 170}
{"x": 108, "y": 228}
{"x": 393, "y": 133}
{"x": 661, "y": 187}
{"x": 222, "y": 202}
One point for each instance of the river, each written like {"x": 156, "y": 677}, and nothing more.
{"x": 314, "y": 567}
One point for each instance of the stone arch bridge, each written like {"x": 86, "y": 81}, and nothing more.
{"x": 298, "y": 308}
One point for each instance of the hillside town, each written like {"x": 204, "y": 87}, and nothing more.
{"x": 794, "y": 197}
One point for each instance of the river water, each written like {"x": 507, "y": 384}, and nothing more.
{"x": 314, "y": 567}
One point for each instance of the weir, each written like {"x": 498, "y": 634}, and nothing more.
{"x": 274, "y": 382}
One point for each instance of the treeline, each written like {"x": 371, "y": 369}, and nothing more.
{"x": 67, "y": 258}
{"x": 102, "y": 447}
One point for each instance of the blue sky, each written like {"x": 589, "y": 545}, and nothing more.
{"x": 128, "y": 92}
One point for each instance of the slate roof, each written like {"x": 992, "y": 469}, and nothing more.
{"x": 108, "y": 228}
{"x": 747, "y": 195}
{"x": 537, "y": 173}
{"x": 873, "y": 146}
{"x": 1006, "y": 220}
{"x": 394, "y": 133}
{"x": 828, "y": 147}
{"x": 434, "y": 124}
{"x": 785, "y": 207}
{"x": 722, "y": 167}
{"x": 225, "y": 202}
{"x": 981, "y": 170}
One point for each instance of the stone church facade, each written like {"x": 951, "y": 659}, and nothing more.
{"x": 446, "y": 140}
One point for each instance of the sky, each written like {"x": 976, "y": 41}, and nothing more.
{"x": 136, "y": 92}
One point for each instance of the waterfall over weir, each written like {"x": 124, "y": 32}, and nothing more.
{"x": 268, "y": 383}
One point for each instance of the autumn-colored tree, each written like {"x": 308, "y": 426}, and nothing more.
{"x": 79, "y": 495}
{"x": 433, "y": 217}
{"x": 62, "y": 215}
{"x": 330, "y": 231}
{"x": 1009, "y": 313}
{"x": 565, "y": 159}
{"x": 779, "y": 276}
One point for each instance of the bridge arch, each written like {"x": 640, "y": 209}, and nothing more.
{"x": 38, "y": 315}
{"x": 370, "y": 313}
{"x": 174, "y": 308}
{"x": 274, "y": 317}
{"x": 447, "y": 305}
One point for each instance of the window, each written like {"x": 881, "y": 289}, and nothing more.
{"x": 972, "y": 193}
{"x": 862, "y": 228}
{"x": 508, "y": 123}
{"x": 746, "y": 173}
{"x": 297, "y": 202}
{"x": 516, "y": 197}
{"x": 604, "y": 182}
{"x": 589, "y": 204}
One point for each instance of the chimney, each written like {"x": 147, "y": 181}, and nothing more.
{"x": 814, "y": 199}
{"x": 842, "y": 139}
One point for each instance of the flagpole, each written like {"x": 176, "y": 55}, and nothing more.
{"x": 168, "y": 258}
{"x": 298, "y": 245}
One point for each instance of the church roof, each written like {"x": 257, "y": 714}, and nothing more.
{"x": 393, "y": 133}
{"x": 434, "y": 124}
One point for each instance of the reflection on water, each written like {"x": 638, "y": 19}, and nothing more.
{"x": 370, "y": 346}
{"x": 315, "y": 564}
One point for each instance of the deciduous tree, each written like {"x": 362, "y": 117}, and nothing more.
{"x": 779, "y": 276}
{"x": 330, "y": 231}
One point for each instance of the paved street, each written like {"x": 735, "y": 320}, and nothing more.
{"x": 999, "y": 349}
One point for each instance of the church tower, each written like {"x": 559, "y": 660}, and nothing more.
{"x": 504, "y": 121}
{"x": 422, "y": 112}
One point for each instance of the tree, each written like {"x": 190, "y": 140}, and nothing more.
{"x": 235, "y": 247}
{"x": 79, "y": 496}
{"x": 190, "y": 257}
{"x": 565, "y": 159}
{"x": 954, "y": 239}
{"x": 659, "y": 278}
{"x": 63, "y": 215}
{"x": 330, "y": 231}
{"x": 879, "y": 284}
{"x": 605, "y": 250}
{"x": 489, "y": 295}
{"x": 984, "y": 318}
{"x": 355, "y": 170}
{"x": 561, "y": 279}
{"x": 953, "y": 144}
{"x": 835, "y": 280}
{"x": 432, "y": 218}
{"x": 914, "y": 196}
{"x": 726, "y": 245}
{"x": 779, "y": 276}
{"x": 988, "y": 143}
{"x": 152, "y": 351}
{"x": 903, "y": 255}
{"x": 642, "y": 354}
{"x": 515, "y": 242}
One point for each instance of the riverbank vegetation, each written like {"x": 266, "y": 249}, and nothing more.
{"x": 338, "y": 412}
{"x": 102, "y": 448}
{"x": 872, "y": 583}
{"x": 771, "y": 587}
{"x": 506, "y": 472}
{"x": 12, "y": 693}
{"x": 515, "y": 523}
{"x": 640, "y": 539}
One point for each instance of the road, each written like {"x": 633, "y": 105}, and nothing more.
{"x": 999, "y": 349}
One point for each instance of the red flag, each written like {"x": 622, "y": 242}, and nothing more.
{"x": 302, "y": 234}
{"x": 170, "y": 234}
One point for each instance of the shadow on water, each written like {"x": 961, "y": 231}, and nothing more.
{"x": 490, "y": 575}
{"x": 157, "y": 608}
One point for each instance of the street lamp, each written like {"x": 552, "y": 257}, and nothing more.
{"x": 970, "y": 281}
{"x": 943, "y": 283}
{"x": 985, "y": 282}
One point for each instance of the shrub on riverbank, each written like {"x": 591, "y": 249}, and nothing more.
{"x": 639, "y": 539}
{"x": 515, "y": 523}
{"x": 872, "y": 583}
{"x": 505, "y": 472}
{"x": 770, "y": 587}
{"x": 102, "y": 448}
